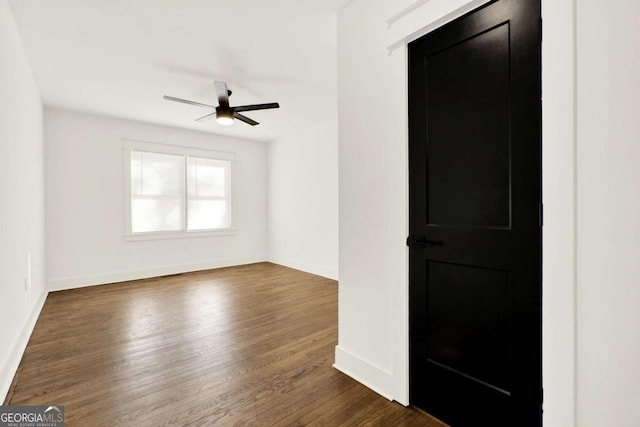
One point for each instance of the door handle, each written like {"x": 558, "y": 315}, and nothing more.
{"x": 421, "y": 241}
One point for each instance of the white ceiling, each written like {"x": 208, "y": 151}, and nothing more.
{"x": 119, "y": 57}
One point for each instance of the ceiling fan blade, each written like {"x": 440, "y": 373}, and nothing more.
{"x": 223, "y": 93}
{"x": 186, "y": 101}
{"x": 207, "y": 117}
{"x": 245, "y": 119}
{"x": 256, "y": 107}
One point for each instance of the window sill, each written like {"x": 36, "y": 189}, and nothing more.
{"x": 178, "y": 234}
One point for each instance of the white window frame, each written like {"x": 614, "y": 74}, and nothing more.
{"x": 129, "y": 145}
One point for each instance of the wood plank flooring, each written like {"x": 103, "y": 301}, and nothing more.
{"x": 240, "y": 346}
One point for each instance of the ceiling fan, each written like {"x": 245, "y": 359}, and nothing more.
{"x": 226, "y": 114}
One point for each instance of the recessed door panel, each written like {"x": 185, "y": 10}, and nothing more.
{"x": 469, "y": 322}
{"x": 468, "y": 113}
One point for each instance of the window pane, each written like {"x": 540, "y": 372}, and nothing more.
{"x": 156, "y": 214}
{"x": 207, "y": 177}
{"x": 161, "y": 174}
{"x": 208, "y": 214}
{"x": 136, "y": 172}
{"x": 157, "y": 189}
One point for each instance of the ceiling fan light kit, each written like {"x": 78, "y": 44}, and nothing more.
{"x": 224, "y": 114}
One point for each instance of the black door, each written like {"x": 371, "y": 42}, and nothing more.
{"x": 475, "y": 218}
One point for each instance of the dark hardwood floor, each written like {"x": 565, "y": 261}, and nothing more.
{"x": 247, "y": 346}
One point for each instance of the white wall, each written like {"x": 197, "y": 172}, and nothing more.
{"x": 558, "y": 194}
{"x": 608, "y": 213}
{"x": 21, "y": 202}
{"x": 303, "y": 200}
{"x": 373, "y": 203}
{"x": 373, "y": 311}
{"x": 85, "y": 219}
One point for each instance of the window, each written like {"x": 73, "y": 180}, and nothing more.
{"x": 176, "y": 191}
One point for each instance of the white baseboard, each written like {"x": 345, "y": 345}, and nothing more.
{"x": 13, "y": 362}
{"x": 374, "y": 377}
{"x": 329, "y": 273}
{"x": 123, "y": 276}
